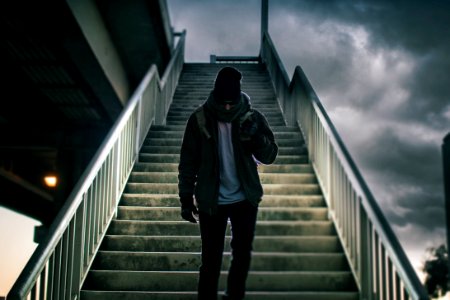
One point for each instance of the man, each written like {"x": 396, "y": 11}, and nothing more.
{"x": 223, "y": 142}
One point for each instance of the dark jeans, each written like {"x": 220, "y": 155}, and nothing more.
{"x": 242, "y": 216}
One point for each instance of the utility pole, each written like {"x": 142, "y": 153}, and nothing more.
{"x": 264, "y": 18}
{"x": 446, "y": 165}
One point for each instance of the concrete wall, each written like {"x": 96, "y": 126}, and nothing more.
{"x": 96, "y": 33}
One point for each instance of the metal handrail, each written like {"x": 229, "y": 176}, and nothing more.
{"x": 377, "y": 260}
{"x": 58, "y": 267}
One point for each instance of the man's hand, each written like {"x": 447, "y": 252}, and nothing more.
{"x": 188, "y": 210}
{"x": 249, "y": 128}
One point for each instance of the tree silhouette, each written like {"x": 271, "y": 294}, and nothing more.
{"x": 436, "y": 269}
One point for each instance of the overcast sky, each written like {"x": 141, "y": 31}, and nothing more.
{"x": 381, "y": 70}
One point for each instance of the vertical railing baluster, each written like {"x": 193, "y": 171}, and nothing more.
{"x": 103, "y": 199}
{"x": 80, "y": 232}
{"x": 138, "y": 126}
{"x": 87, "y": 228}
{"x": 366, "y": 257}
{"x": 99, "y": 204}
{"x": 94, "y": 216}
{"x": 376, "y": 265}
{"x": 109, "y": 184}
{"x": 51, "y": 272}
{"x": 97, "y": 210}
{"x": 43, "y": 283}
{"x": 70, "y": 260}
{"x": 390, "y": 279}
{"x": 397, "y": 286}
{"x": 91, "y": 225}
{"x": 358, "y": 230}
{"x": 383, "y": 271}
{"x": 116, "y": 170}
{"x": 345, "y": 212}
{"x": 33, "y": 292}
{"x": 57, "y": 272}
{"x": 64, "y": 262}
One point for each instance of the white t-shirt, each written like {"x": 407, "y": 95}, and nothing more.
{"x": 230, "y": 190}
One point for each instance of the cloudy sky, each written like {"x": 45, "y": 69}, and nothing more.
{"x": 381, "y": 70}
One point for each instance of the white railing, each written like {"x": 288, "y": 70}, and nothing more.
{"x": 60, "y": 264}
{"x": 378, "y": 262}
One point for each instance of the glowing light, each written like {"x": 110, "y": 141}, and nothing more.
{"x": 51, "y": 181}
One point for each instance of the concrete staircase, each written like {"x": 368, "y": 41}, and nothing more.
{"x": 151, "y": 253}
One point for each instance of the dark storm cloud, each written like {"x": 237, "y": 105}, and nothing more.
{"x": 404, "y": 105}
{"x": 419, "y": 29}
{"x": 410, "y": 171}
{"x": 405, "y": 159}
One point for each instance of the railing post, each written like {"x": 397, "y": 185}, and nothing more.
{"x": 138, "y": 128}
{"x": 365, "y": 269}
{"x": 116, "y": 172}
{"x": 446, "y": 167}
{"x": 80, "y": 229}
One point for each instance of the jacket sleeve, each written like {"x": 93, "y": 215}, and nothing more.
{"x": 263, "y": 143}
{"x": 189, "y": 159}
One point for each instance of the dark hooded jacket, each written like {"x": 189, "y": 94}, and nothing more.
{"x": 199, "y": 172}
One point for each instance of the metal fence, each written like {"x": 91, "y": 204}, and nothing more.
{"x": 377, "y": 260}
{"x": 60, "y": 264}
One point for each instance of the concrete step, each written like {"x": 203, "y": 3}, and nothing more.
{"x": 208, "y": 80}
{"x": 264, "y": 214}
{"x": 296, "y": 228}
{"x": 191, "y": 295}
{"x": 286, "y": 168}
{"x": 262, "y": 104}
{"x": 172, "y": 200}
{"x": 181, "y": 128}
{"x": 155, "y": 167}
{"x": 275, "y": 121}
{"x": 269, "y": 189}
{"x": 179, "y": 135}
{"x": 271, "y": 122}
{"x": 200, "y": 98}
{"x": 163, "y": 142}
{"x": 176, "y": 149}
{"x": 159, "y": 158}
{"x": 177, "y": 142}
{"x": 250, "y": 89}
{"x": 269, "y": 178}
{"x": 292, "y": 189}
{"x": 187, "y": 281}
{"x": 186, "y": 113}
{"x": 285, "y": 244}
{"x": 191, "y": 261}
{"x": 175, "y": 158}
